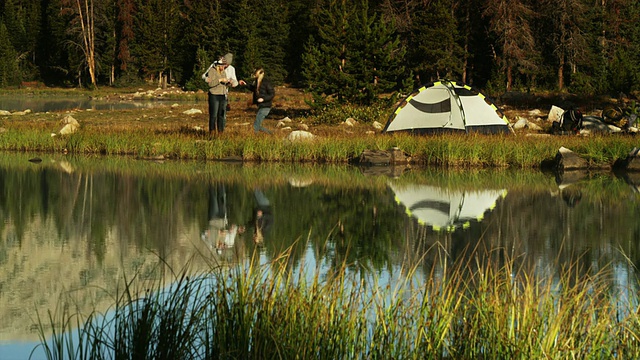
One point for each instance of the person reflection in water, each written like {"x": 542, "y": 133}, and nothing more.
{"x": 219, "y": 234}
{"x": 262, "y": 217}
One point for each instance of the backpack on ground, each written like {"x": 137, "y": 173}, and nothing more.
{"x": 570, "y": 122}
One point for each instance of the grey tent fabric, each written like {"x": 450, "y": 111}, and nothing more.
{"x": 446, "y": 106}
{"x": 444, "y": 209}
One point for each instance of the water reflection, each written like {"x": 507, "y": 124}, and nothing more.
{"x": 73, "y": 235}
{"x": 444, "y": 209}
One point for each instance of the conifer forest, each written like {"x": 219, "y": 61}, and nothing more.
{"x": 353, "y": 50}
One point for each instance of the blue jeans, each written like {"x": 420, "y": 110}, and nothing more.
{"x": 217, "y": 112}
{"x": 260, "y": 116}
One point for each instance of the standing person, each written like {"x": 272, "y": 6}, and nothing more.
{"x": 230, "y": 73}
{"x": 263, "y": 93}
{"x": 217, "y": 80}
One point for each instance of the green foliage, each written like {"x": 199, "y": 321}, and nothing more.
{"x": 9, "y": 69}
{"x": 354, "y": 56}
{"x": 334, "y": 113}
{"x": 436, "y": 52}
{"x": 259, "y": 37}
{"x": 201, "y": 65}
{"x": 582, "y": 84}
{"x": 156, "y": 37}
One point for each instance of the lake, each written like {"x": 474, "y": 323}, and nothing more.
{"x": 46, "y": 104}
{"x": 73, "y": 227}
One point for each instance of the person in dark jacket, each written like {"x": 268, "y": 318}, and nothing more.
{"x": 263, "y": 93}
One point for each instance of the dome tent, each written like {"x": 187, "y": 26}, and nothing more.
{"x": 447, "y": 106}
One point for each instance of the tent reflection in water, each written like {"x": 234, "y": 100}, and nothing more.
{"x": 444, "y": 209}
{"x": 447, "y": 106}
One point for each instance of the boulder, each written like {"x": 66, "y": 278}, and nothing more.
{"x": 521, "y": 123}
{"x": 350, "y": 122}
{"x": 71, "y": 125}
{"x": 567, "y": 160}
{"x": 300, "y": 135}
{"x": 632, "y": 161}
{"x": 384, "y": 157}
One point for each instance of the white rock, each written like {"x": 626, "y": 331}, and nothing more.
{"x": 174, "y": 105}
{"x": 4, "y": 113}
{"x": 286, "y": 120}
{"x": 21, "y": 113}
{"x": 68, "y": 129}
{"x": 536, "y": 112}
{"x": 300, "y": 135}
{"x": 533, "y": 126}
{"x": 304, "y": 127}
{"x": 377, "y": 125}
{"x": 521, "y": 123}
{"x": 192, "y": 112}
{"x": 70, "y": 120}
{"x": 350, "y": 122}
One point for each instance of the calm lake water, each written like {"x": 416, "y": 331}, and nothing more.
{"x": 73, "y": 227}
{"x": 40, "y": 104}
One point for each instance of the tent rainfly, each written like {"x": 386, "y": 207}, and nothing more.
{"x": 446, "y": 106}
{"x": 443, "y": 209}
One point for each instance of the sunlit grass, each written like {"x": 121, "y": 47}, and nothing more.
{"x": 147, "y": 135}
{"x": 479, "y": 308}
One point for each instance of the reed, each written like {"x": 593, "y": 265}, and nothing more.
{"x": 493, "y": 306}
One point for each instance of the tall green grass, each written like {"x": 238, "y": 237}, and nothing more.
{"x": 453, "y": 150}
{"x": 479, "y": 308}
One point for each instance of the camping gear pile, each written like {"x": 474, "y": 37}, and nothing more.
{"x": 613, "y": 119}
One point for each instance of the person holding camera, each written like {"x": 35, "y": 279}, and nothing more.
{"x": 217, "y": 80}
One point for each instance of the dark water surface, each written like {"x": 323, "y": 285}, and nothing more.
{"x": 73, "y": 227}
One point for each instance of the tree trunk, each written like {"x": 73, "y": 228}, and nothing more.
{"x": 88, "y": 37}
{"x": 561, "y": 73}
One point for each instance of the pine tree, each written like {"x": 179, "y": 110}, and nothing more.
{"x": 202, "y": 27}
{"x": 563, "y": 21}
{"x": 259, "y": 37}
{"x": 124, "y": 33}
{"x": 435, "y": 44}
{"x": 155, "y": 39}
{"x": 9, "y": 69}
{"x": 354, "y": 56}
{"x": 53, "y": 55}
{"x": 515, "y": 48}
